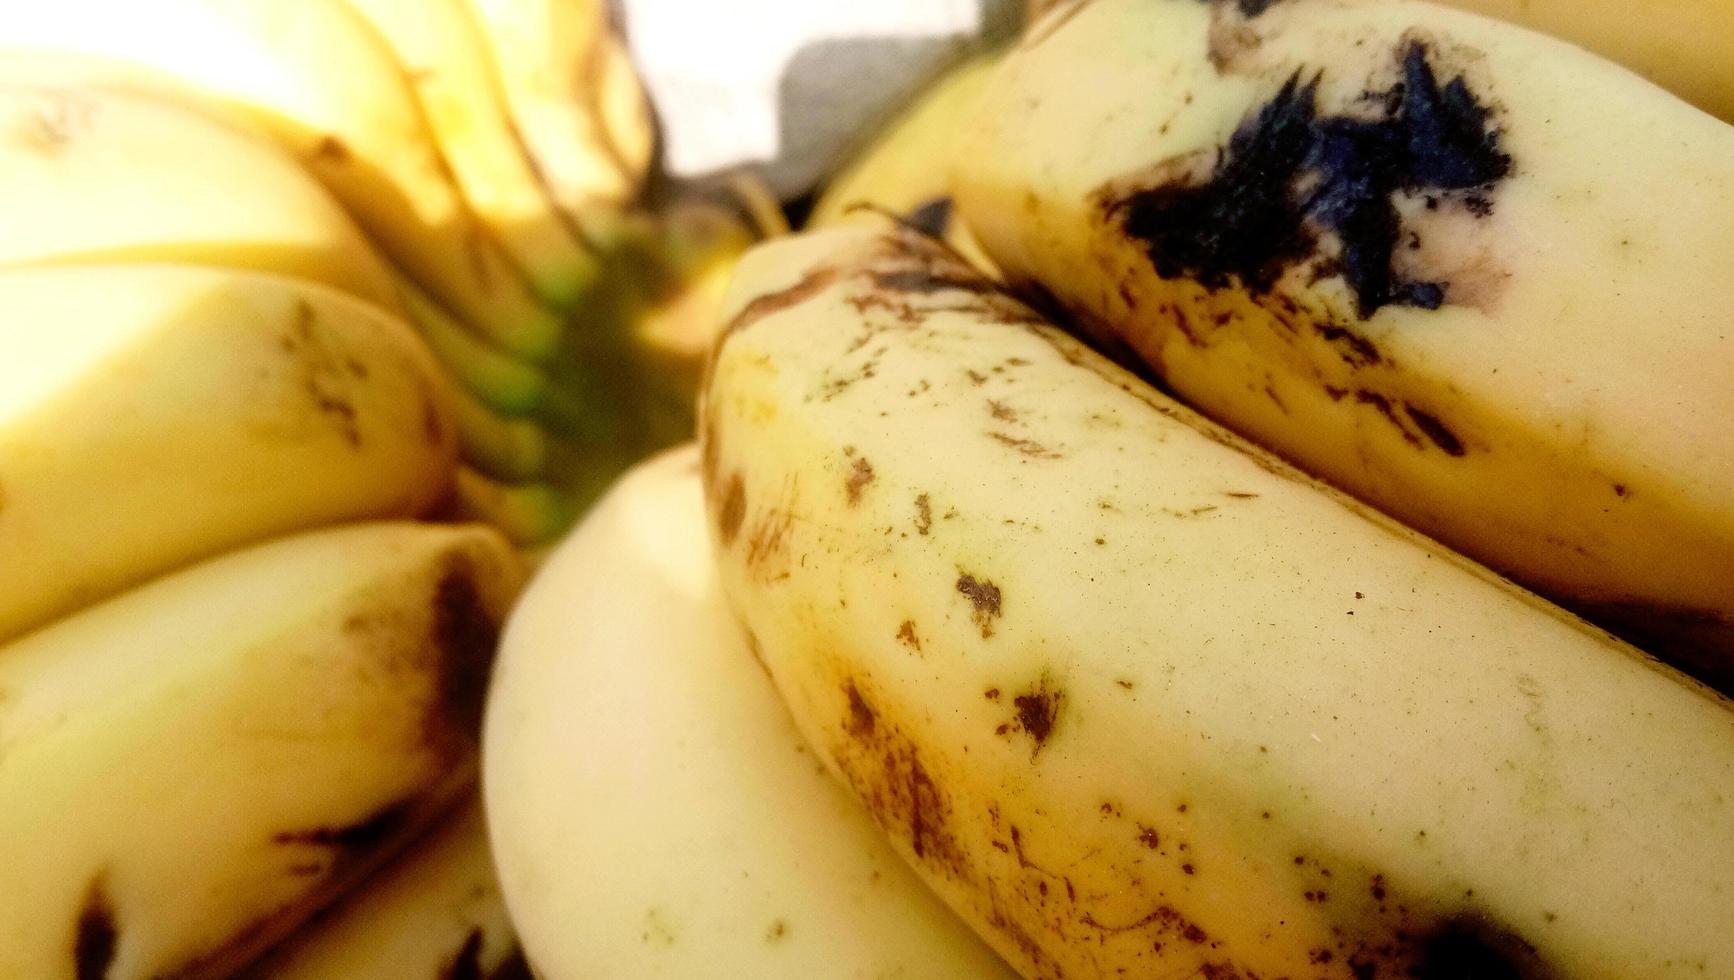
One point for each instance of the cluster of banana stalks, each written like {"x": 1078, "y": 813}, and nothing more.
{"x": 1107, "y": 551}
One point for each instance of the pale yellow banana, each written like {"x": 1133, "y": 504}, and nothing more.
{"x": 905, "y": 170}
{"x": 91, "y": 175}
{"x": 1140, "y": 700}
{"x": 574, "y": 100}
{"x": 654, "y": 811}
{"x": 439, "y": 46}
{"x": 315, "y": 76}
{"x": 434, "y": 913}
{"x": 1685, "y": 46}
{"x": 151, "y": 415}
{"x": 189, "y": 770}
{"x": 1473, "y": 275}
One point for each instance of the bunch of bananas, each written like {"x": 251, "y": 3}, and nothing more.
{"x": 324, "y": 315}
{"x": 1150, "y": 644}
{"x": 1139, "y": 529}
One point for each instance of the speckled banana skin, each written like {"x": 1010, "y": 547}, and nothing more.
{"x": 190, "y": 770}
{"x": 1483, "y": 282}
{"x": 1138, "y": 699}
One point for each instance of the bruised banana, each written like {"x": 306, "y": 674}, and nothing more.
{"x": 904, "y": 170}
{"x": 434, "y": 913}
{"x": 316, "y": 77}
{"x": 653, "y": 810}
{"x": 438, "y": 45}
{"x": 1471, "y": 274}
{"x": 101, "y": 176}
{"x": 189, "y": 770}
{"x": 152, "y": 415}
{"x": 1138, "y": 699}
{"x": 574, "y": 100}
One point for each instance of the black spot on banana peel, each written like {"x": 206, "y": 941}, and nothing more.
{"x": 1294, "y": 187}
{"x": 96, "y": 935}
{"x": 464, "y": 636}
{"x": 1571, "y": 288}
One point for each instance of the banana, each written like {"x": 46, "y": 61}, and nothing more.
{"x": 653, "y": 810}
{"x": 434, "y": 912}
{"x": 316, "y": 77}
{"x": 573, "y": 98}
{"x": 102, "y": 176}
{"x": 904, "y": 171}
{"x": 503, "y": 447}
{"x": 1471, "y": 274}
{"x": 1138, "y": 699}
{"x": 189, "y": 770}
{"x": 89, "y": 176}
{"x": 1685, "y": 46}
{"x": 152, "y": 415}
{"x": 438, "y": 45}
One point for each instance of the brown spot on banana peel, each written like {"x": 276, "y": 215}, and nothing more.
{"x": 860, "y": 475}
{"x": 886, "y": 770}
{"x": 363, "y": 835}
{"x": 732, "y": 510}
{"x": 464, "y": 636}
{"x": 96, "y": 936}
{"x": 923, "y": 514}
{"x": 984, "y": 599}
{"x": 809, "y": 286}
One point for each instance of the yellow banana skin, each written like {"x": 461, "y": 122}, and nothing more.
{"x": 1685, "y": 46}
{"x": 1562, "y": 415}
{"x": 1138, "y": 699}
{"x": 191, "y": 769}
{"x": 438, "y": 45}
{"x": 153, "y": 415}
{"x": 435, "y": 912}
{"x": 319, "y": 80}
{"x": 574, "y": 100}
{"x": 653, "y": 809}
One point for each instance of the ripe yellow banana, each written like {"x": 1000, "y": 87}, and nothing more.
{"x": 574, "y": 100}
{"x": 439, "y": 46}
{"x": 435, "y": 911}
{"x": 653, "y": 810}
{"x": 88, "y": 175}
{"x": 91, "y": 176}
{"x": 189, "y": 770}
{"x": 1471, "y": 274}
{"x": 1138, "y": 699}
{"x": 1685, "y": 46}
{"x": 151, "y": 415}
{"x": 905, "y": 170}
{"x": 315, "y": 76}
